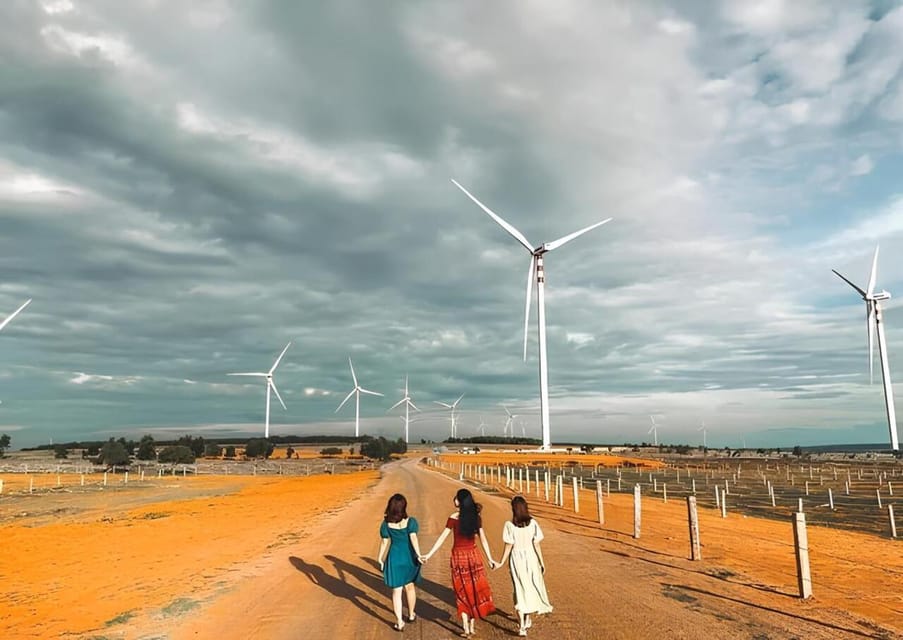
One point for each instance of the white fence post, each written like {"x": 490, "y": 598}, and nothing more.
{"x": 693, "y": 518}
{"x": 801, "y": 547}
{"x": 600, "y": 508}
{"x": 637, "y": 513}
{"x": 576, "y": 497}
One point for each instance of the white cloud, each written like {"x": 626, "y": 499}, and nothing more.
{"x": 862, "y": 165}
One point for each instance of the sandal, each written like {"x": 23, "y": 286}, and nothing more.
{"x": 412, "y": 617}
{"x": 398, "y": 627}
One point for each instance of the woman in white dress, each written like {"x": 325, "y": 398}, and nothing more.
{"x": 522, "y": 536}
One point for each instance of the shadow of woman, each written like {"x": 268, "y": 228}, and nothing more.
{"x": 340, "y": 588}
{"x": 425, "y": 610}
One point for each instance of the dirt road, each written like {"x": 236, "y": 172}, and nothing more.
{"x": 329, "y": 586}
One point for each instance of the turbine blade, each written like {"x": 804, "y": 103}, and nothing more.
{"x": 395, "y": 405}
{"x": 353, "y": 377}
{"x": 506, "y": 410}
{"x": 871, "y": 288}
{"x": 276, "y": 364}
{"x": 14, "y": 314}
{"x": 870, "y": 321}
{"x": 442, "y": 404}
{"x": 458, "y": 400}
{"x": 413, "y": 406}
{"x": 507, "y": 227}
{"x": 350, "y": 393}
{"x": 839, "y": 275}
{"x": 531, "y": 277}
{"x": 278, "y": 397}
{"x": 372, "y": 393}
{"x": 256, "y": 375}
{"x": 557, "y": 243}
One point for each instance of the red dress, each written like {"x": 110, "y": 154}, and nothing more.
{"x": 472, "y": 593}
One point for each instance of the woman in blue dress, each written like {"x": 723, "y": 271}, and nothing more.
{"x": 402, "y": 567}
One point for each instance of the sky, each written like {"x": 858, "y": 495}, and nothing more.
{"x": 185, "y": 188}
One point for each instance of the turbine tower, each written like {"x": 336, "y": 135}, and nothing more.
{"x": 408, "y": 405}
{"x": 356, "y": 391}
{"x": 14, "y": 314}
{"x": 704, "y": 432}
{"x": 653, "y": 430}
{"x": 270, "y": 385}
{"x": 509, "y": 423}
{"x": 454, "y": 416}
{"x": 874, "y": 320}
{"x": 482, "y": 427}
{"x": 536, "y": 277}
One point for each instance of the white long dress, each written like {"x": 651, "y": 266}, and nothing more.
{"x": 526, "y": 573}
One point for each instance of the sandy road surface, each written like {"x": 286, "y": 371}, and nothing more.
{"x": 329, "y": 586}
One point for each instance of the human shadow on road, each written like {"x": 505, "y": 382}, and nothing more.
{"x": 443, "y": 594}
{"x": 340, "y": 588}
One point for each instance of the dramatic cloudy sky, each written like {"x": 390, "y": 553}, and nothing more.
{"x": 184, "y": 190}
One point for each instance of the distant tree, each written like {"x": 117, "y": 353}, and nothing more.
{"x": 195, "y": 444}
{"x": 213, "y": 450}
{"x": 259, "y": 448}
{"x": 146, "y": 449}
{"x": 178, "y": 454}
{"x": 797, "y": 451}
{"x": 92, "y": 449}
{"x": 230, "y": 451}
{"x": 128, "y": 445}
{"x": 330, "y": 451}
{"x": 60, "y": 452}
{"x": 351, "y": 451}
{"x": 382, "y": 449}
{"x": 289, "y": 452}
{"x": 113, "y": 454}
{"x": 4, "y": 444}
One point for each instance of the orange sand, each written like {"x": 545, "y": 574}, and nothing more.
{"x": 102, "y": 557}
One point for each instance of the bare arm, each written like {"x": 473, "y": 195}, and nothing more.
{"x": 505, "y": 555}
{"x": 485, "y": 543}
{"x": 438, "y": 543}
{"x": 383, "y": 545}
{"x": 415, "y": 543}
{"x": 542, "y": 562}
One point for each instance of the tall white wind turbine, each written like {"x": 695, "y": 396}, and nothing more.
{"x": 536, "y": 277}
{"x": 270, "y": 385}
{"x": 14, "y": 314}
{"x": 482, "y": 426}
{"x": 454, "y": 416}
{"x": 874, "y": 321}
{"x": 653, "y": 430}
{"x": 408, "y": 405}
{"x": 356, "y": 391}
{"x": 704, "y": 432}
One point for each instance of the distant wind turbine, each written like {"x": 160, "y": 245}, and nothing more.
{"x": 653, "y": 430}
{"x": 704, "y": 432}
{"x": 536, "y": 276}
{"x": 454, "y": 416}
{"x": 874, "y": 320}
{"x": 356, "y": 391}
{"x": 482, "y": 427}
{"x": 270, "y": 385}
{"x": 509, "y": 422}
{"x": 408, "y": 405}
{"x": 14, "y": 314}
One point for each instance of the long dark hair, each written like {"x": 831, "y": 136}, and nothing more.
{"x": 396, "y": 508}
{"x": 469, "y": 521}
{"x": 520, "y": 512}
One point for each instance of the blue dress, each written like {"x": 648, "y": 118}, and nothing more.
{"x": 402, "y": 566}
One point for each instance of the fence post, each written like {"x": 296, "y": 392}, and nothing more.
{"x": 693, "y": 518}
{"x": 893, "y": 525}
{"x": 723, "y": 503}
{"x": 637, "y": 513}
{"x": 878, "y": 494}
{"x": 600, "y": 508}
{"x": 576, "y": 497}
{"x": 831, "y": 498}
{"x": 801, "y": 547}
{"x": 545, "y": 480}
{"x": 665, "y": 491}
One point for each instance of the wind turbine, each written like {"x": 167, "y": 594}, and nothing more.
{"x": 408, "y": 405}
{"x": 523, "y": 428}
{"x": 482, "y": 426}
{"x": 454, "y": 417}
{"x": 704, "y": 432}
{"x": 509, "y": 422}
{"x": 14, "y": 314}
{"x": 653, "y": 430}
{"x": 874, "y": 320}
{"x": 536, "y": 276}
{"x": 270, "y": 385}
{"x": 357, "y": 391}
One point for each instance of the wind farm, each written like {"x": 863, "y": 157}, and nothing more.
{"x": 698, "y": 192}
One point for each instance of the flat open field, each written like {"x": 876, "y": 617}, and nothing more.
{"x": 79, "y": 563}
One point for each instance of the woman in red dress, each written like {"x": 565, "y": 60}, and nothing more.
{"x": 472, "y": 593}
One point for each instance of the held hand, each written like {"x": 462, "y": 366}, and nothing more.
{"x": 423, "y": 559}
{"x": 382, "y": 565}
